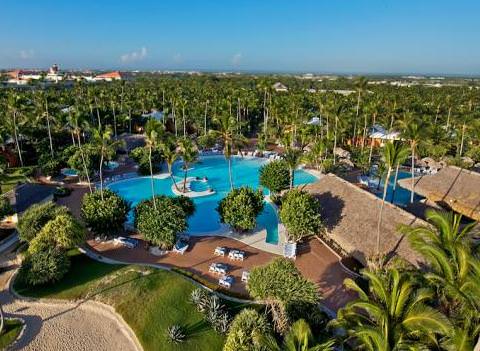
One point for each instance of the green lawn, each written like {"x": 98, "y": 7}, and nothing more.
{"x": 150, "y": 300}
{"x": 14, "y": 176}
{"x": 11, "y": 330}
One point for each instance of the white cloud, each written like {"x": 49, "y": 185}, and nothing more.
{"x": 26, "y": 54}
{"x": 134, "y": 55}
{"x": 236, "y": 59}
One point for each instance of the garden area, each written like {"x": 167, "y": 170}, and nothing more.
{"x": 149, "y": 300}
{"x": 11, "y": 330}
{"x": 12, "y": 176}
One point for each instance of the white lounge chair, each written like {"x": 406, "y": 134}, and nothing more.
{"x": 236, "y": 255}
{"x": 226, "y": 281}
{"x": 245, "y": 276}
{"x": 180, "y": 247}
{"x": 220, "y": 251}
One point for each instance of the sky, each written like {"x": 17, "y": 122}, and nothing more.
{"x": 327, "y": 36}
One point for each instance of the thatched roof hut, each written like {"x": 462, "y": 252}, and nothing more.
{"x": 351, "y": 217}
{"x": 452, "y": 187}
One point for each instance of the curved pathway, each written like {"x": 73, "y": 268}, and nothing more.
{"x": 58, "y": 326}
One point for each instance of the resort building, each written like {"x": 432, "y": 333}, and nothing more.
{"x": 351, "y": 216}
{"x": 379, "y": 135}
{"x": 279, "y": 87}
{"x": 109, "y": 77}
{"x": 54, "y": 74}
{"x": 21, "y": 77}
{"x": 452, "y": 188}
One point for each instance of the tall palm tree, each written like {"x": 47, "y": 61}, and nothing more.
{"x": 189, "y": 153}
{"x": 361, "y": 84}
{"x": 391, "y": 314}
{"x": 400, "y": 160}
{"x": 226, "y": 131}
{"x": 412, "y": 131}
{"x": 153, "y": 129}
{"x": 392, "y": 154}
{"x": 292, "y": 157}
{"x": 15, "y": 103}
{"x": 170, "y": 154}
{"x": 102, "y": 139}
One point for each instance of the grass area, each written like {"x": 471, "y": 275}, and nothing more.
{"x": 12, "y": 176}
{"x": 10, "y": 333}
{"x": 150, "y": 300}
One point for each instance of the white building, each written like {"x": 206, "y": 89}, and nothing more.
{"x": 279, "y": 87}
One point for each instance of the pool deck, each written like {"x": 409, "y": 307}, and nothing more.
{"x": 316, "y": 261}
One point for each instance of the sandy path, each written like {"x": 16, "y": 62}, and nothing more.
{"x": 58, "y": 326}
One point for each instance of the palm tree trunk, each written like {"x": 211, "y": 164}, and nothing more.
{"x": 171, "y": 176}
{"x": 151, "y": 177}
{"x": 16, "y": 138}
{"x": 184, "y": 123}
{"x": 462, "y": 141}
{"x": 185, "y": 172}
{"x": 412, "y": 170}
{"x": 385, "y": 187}
{"x": 292, "y": 174}
{"x": 101, "y": 174}
{"x": 230, "y": 177}
{"x": 114, "y": 119}
{"x": 335, "y": 140}
{"x": 2, "y": 321}
{"x": 205, "y": 119}
{"x": 48, "y": 128}
{"x": 84, "y": 163}
{"x": 395, "y": 182}
{"x": 356, "y": 118}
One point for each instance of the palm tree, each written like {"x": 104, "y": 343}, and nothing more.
{"x": 292, "y": 157}
{"x": 170, "y": 155}
{"x": 226, "y": 131}
{"x": 392, "y": 154}
{"x": 454, "y": 269}
{"x": 391, "y": 314}
{"x": 412, "y": 131}
{"x": 400, "y": 160}
{"x": 107, "y": 147}
{"x": 298, "y": 338}
{"x": 361, "y": 84}
{"x": 189, "y": 154}
{"x": 14, "y": 106}
{"x": 153, "y": 130}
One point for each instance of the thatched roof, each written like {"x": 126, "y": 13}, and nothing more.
{"x": 351, "y": 217}
{"x": 454, "y": 187}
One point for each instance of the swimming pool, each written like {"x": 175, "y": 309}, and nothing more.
{"x": 215, "y": 168}
{"x": 402, "y": 195}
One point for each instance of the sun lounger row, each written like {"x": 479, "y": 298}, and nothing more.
{"x": 127, "y": 242}
{"x": 218, "y": 268}
{"x": 233, "y": 254}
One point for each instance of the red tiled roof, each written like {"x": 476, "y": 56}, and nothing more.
{"x": 115, "y": 74}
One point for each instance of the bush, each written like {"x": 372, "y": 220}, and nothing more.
{"x": 280, "y": 280}
{"x": 92, "y": 160}
{"x": 35, "y": 217}
{"x": 49, "y": 165}
{"x": 240, "y": 208}
{"x": 245, "y": 331}
{"x": 300, "y": 213}
{"x": 187, "y": 204}
{"x": 275, "y": 176}
{"x": 63, "y": 232}
{"x": 212, "y": 309}
{"x": 140, "y": 155}
{"x": 45, "y": 266}
{"x": 160, "y": 225}
{"x": 5, "y": 208}
{"x": 104, "y": 216}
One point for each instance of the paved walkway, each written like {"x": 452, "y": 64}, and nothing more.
{"x": 65, "y": 326}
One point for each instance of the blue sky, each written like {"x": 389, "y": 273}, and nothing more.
{"x": 344, "y": 36}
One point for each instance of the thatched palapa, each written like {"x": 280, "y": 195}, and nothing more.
{"x": 453, "y": 187}
{"x": 351, "y": 217}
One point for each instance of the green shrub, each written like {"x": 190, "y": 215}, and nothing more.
{"x": 5, "y": 208}
{"x": 275, "y": 176}
{"x": 246, "y": 330}
{"x": 92, "y": 160}
{"x": 104, "y": 216}
{"x": 140, "y": 155}
{"x": 49, "y": 165}
{"x": 240, "y": 208}
{"x": 282, "y": 281}
{"x": 63, "y": 232}
{"x": 160, "y": 225}
{"x": 45, "y": 266}
{"x": 35, "y": 217}
{"x": 300, "y": 213}
{"x": 187, "y": 204}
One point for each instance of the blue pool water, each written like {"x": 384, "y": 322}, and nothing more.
{"x": 215, "y": 168}
{"x": 402, "y": 195}
{"x": 69, "y": 172}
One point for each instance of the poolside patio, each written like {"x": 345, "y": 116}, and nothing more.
{"x": 315, "y": 261}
